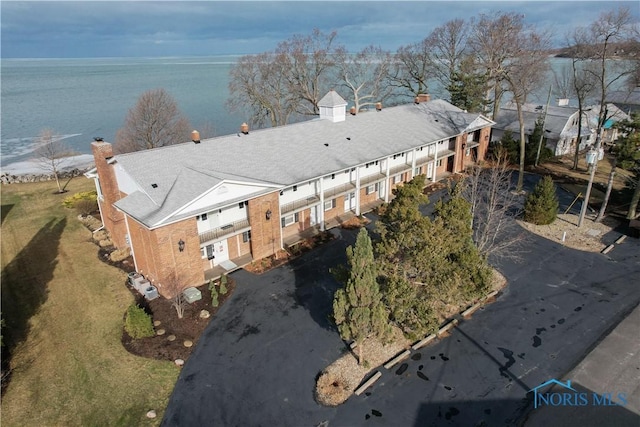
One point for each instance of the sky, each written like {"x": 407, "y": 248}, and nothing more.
{"x": 79, "y": 29}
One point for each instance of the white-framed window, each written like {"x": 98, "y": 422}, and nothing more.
{"x": 241, "y": 205}
{"x": 246, "y": 236}
{"x": 329, "y": 204}
{"x": 418, "y": 171}
{"x": 290, "y": 219}
{"x": 397, "y": 178}
{"x": 439, "y": 163}
{"x": 372, "y": 188}
{"x": 202, "y": 217}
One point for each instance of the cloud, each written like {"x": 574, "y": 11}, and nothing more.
{"x": 167, "y": 28}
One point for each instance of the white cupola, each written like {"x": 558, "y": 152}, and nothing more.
{"x": 333, "y": 107}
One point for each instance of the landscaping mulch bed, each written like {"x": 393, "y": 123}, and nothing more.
{"x": 189, "y": 328}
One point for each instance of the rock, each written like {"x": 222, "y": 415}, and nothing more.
{"x": 188, "y": 343}
{"x": 160, "y": 331}
{"x": 204, "y": 314}
{"x": 151, "y": 414}
{"x": 179, "y": 362}
{"x": 156, "y": 323}
{"x": 171, "y": 337}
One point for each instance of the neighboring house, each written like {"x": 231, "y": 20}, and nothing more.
{"x": 196, "y": 209}
{"x": 560, "y": 127}
{"x": 629, "y": 102}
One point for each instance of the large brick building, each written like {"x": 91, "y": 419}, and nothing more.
{"x": 189, "y": 209}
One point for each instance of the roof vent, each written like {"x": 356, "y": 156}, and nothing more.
{"x": 352, "y": 111}
{"x": 195, "y": 136}
{"x": 244, "y": 128}
{"x": 154, "y": 185}
{"x": 379, "y": 106}
{"x": 98, "y": 138}
{"x": 326, "y": 145}
{"x": 348, "y": 138}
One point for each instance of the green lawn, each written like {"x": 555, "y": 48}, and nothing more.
{"x": 63, "y": 310}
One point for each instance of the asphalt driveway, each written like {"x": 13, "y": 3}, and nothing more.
{"x": 257, "y": 362}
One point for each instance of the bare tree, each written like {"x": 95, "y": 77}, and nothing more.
{"x": 309, "y": 60}
{"x": 259, "y": 85}
{"x": 523, "y": 72}
{"x": 274, "y": 87}
{"x": 494, "y": 208}
{"x": 365, "y": 75}
{"x": 448, "y": 46}
{"x": 51, "y": 154}
{"x": 412, "y": 67}
{"x": 492, "y": 42}
{"x": 155, "y": 121}
{"x": 173, "y": 288}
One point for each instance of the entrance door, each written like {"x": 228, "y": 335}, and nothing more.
{"x": 349, "y": 202}
{"x": 430, "y": 170}
{"x": 221, "y": 252}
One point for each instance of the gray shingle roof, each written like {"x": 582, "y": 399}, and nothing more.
{"x": 282, "y": 156}
{"x": 331, "y": 99}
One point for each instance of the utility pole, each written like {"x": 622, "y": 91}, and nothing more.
{"x": 594, "y": 166}
{"x": 544, "y": 118}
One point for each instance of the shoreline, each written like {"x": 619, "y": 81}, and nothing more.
{"x": 31, "y": 167}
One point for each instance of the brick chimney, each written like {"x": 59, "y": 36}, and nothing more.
{"x": 112, "y": 218}
{"x": 244, "y": 128}
{"x": 422, "y": 97}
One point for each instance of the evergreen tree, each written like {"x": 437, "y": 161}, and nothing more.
{"x": 541, "y": 206}
{"x": 357, "y": 308}
{"x": 468, "y": 87}
{"x": 627, "y": 152}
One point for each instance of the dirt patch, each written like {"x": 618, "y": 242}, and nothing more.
{"x": 170, "y": 345}
{"x": 586, "y": 238}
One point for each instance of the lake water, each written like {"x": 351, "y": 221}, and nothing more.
{"x": 87, "y": 98}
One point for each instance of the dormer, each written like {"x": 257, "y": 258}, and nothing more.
{"x": 333, "y": 107}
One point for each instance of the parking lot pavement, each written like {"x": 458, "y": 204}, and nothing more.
{"x": 258, "y": 360}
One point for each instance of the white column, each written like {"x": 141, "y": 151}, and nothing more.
{"x": 413, "y": 163}
{"x": 388, "y": 184}
{"x": 435, "y": 163}
{"x": 321, "y": 210}
{"x": 358, "y": 190}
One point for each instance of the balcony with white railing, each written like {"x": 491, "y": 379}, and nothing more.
{"x": 299, "y": 204}
{"x": 225, "y": 230}
{"x": 338, "y": 190}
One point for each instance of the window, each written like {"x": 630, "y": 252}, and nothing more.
{"x": 418, "y": 171}
{"x": 397, "y": 178}
{"x": 246, "y": 236}
{"x": 333, "y": 176}
{"x": 329, "y": 204}
{"x": 288, "y": 220}
{"x": 439, "y": 163}
{"x": 295, "y": 188}
{"x": 241, "y": 205}
{"x": 372, "y": 188}
{"x": 203, "y": 217}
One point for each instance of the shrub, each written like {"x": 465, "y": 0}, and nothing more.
{"x": 100, "y": 235}
{"x": 214, "y": 293}
{"x": 119, "y": 254}
{"x": 137, "y": 323}
{"x": 223, "y": 284}
{"x": 72, "y": 201}
{"x": 541, "y": 206}
{"x": 85, "y": 207}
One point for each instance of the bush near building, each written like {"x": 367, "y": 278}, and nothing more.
{"x": 137, "y": 323}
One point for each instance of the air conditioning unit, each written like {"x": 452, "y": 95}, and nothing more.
{"x": 151, "y": 293}
{"x": 192, "y": 295}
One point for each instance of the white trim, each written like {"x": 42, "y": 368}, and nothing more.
{"x": 133, "y": 253}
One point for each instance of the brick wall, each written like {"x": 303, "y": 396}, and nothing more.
{"x": 334, "y": 212}
{"x": 158, "y": 256}
{"x": 237, "y": 247}
{"x": 265, "y": 234}
{"x": 112, "y": 218}
{"x": 368, "y": 198}
{"x": 304, "y": 222}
